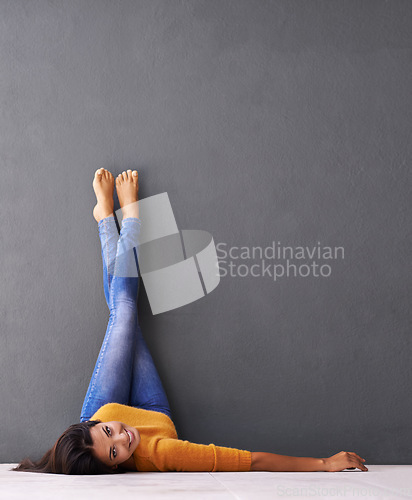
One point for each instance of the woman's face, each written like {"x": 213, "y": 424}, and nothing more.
{"x": 111, "y": 442}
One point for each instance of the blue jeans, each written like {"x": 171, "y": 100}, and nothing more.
{"x": 124, "y": 372}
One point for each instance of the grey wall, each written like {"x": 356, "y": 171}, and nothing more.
{"x": 264, "y": 121}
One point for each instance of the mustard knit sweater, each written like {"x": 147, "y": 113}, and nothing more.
{"x": 160, "y": 449}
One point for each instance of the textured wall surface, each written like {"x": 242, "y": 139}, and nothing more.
{"x": 265, "y": 121}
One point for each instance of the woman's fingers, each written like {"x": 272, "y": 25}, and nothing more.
{"x": 359, "y": 464}
{"x": 357, "y": 456}
{"x": 357, "y": 461}
{"x": 345, "y": 460}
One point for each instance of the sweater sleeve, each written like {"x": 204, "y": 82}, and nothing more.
{"x": 184, "y": 456}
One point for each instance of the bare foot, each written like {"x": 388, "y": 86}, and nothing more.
{"x": 103, "y": 185}
{"x": 127, "y": 186}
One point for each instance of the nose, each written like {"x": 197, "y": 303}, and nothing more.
{"x": 123, "y": 437}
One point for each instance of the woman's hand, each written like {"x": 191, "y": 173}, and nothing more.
{"x": 344, "y": 460}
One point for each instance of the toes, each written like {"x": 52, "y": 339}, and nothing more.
{"x": 102, "y": 173}
{"x": 127, "y": 175}
{"x": 108, "y": 175}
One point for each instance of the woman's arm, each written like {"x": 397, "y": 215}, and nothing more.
{"x": 283, "y": 463}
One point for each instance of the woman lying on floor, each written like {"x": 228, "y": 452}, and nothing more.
{"x": 126, "y": 423}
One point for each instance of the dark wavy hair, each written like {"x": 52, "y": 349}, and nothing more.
{"x": 72, "y": 453}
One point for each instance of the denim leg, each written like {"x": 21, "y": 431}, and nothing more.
{"x": 108, "y": 238}
{"x": 147, "y": 389}
{"x": 112, "y": 375}
{"x": 124, "y": 372}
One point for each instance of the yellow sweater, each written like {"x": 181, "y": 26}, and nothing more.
{"x": 160, "y": 449}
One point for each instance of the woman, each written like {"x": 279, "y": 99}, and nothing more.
{"x": 125, "y": 421}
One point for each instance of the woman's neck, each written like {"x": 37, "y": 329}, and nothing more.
{"x": 129, "y": 464}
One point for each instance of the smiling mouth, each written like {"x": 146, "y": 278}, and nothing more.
{"x": 130, "y": 437}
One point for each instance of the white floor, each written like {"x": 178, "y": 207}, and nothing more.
{"x": 381, "y": 481}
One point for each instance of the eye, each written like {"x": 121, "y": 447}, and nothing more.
{"x": 114, "y": 449}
